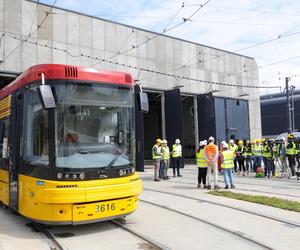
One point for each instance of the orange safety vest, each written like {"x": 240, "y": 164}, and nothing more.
{"x": 210, "y": 151}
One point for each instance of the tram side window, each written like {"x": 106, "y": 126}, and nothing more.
{"x": 35, "y": 150}
{"x": 4, "y": 148}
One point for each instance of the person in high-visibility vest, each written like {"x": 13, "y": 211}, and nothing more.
{"x": 282, "y": 156}
{"x": 227, "y": 166}
{"x": 176, "y": 157}
{"x": 297, "y": 170}
{"x": 165, "y": 151}
{"x": 267, "y": 158}
{"x": 249, "y": 165}
{"x": 233, "y": 147}
{"x": 240, "y": 155}
{"x": 156, "y": 156}
{"x": 211, "y": 155}
{"x": 291, "y": 152}
{"x": 257, "y": 154}
{"x": 202, "y": 165}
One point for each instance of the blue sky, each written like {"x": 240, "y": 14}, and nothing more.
{"x": 227, "y": 24}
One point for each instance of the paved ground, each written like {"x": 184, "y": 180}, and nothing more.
{"x": 174, "y": 214}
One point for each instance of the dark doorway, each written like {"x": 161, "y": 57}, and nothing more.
{"x": 206, "y": 116}
{"x": 152, "y": 123}
{"x": 189, "y": 134}
{"x": 173, "y": 116}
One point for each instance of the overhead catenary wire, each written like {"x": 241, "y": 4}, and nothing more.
{"x": 34, "y": 14}
{"x": 141, "y": 68}
{"x": 133, "y": 47}
{"x": 173, "y": 17}
{"x": 30, "y": 33}
{"x": 147, "y": 40}
{"x": 235, "y": 51}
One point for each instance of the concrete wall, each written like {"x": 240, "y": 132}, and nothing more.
{"x": 79, "y": 34}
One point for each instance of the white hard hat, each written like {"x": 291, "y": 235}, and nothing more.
{"x": 225, "y": 145}
{"x": 164, "y": 141}
{"x": 231, "y": 141}
{"x": 211, "y": 138}
{"x": 205, "y": 142}
{"x": 202, "y": 143}
{"x": 177, "y": 141}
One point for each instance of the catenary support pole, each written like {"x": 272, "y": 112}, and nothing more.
{"x": 288, "y": 105}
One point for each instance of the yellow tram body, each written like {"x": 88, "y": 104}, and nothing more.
{"x": 79, "y": 202}
{"x": 56, "y": 202}
{"x": 63, "y": 197}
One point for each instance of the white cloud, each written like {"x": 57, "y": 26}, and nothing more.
{"x": 226, "y": 24}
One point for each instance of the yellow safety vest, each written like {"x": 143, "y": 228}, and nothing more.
{"x": 257, "y": 150}
{"x": 177, "y": 150}
{"x": 165, "y": 153}
{"x": 266, "y": 151}
{"x": 201, "y": 161}
{"x": 158, "y": 155}
{"x": 233, "y": 147}
{"x": 227, "y": 157}
{"x": 292, "y": 150}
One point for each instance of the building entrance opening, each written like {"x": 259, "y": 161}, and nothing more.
{"x": 189, "y": 131}
{"x": 152, "y": 123}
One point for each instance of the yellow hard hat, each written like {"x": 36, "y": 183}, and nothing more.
{"x": 290, "y": 136}
{"x": 240, "y": 142}
{"x": 262, "y": 140}
{"x": 158, "y": 140}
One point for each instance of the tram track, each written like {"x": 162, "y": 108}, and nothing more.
{"x": 229, "y": 231}
{"x": 54, "y": 244}
{"x": 256, "y": 184}
{"x": 289, "y": 223}
{"x": 152, "y": 244}
{"x": 245, "y": 189}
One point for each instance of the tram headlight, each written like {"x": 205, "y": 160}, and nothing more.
{"x": 81, "y": 176}
{"x": 67, "y": 176}
{"x": 59, "y": 175}
{"x": 74, "y": 176}
{"x": 121, "y": 172}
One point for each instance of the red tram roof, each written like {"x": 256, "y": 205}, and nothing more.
{"x": 67, "y": 72}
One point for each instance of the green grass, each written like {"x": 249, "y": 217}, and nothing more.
{"x": 264, "y": 200}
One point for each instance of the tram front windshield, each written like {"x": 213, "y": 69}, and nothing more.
{"x": 94, "y": 127}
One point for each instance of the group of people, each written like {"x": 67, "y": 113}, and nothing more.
{"x": 250, "y": 156}
{"x": 208, "y": 156}
{"x": 241, "y": 157}
{"x": 161, "y": 155}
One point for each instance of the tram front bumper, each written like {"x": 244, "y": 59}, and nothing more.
{"x": 78, "y": 202}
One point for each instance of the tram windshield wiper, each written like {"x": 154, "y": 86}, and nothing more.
{"x": 112, "y": 162}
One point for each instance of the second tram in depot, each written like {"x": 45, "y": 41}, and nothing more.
{"x": 67, "y": 145}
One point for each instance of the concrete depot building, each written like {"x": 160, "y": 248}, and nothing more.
{"x": 179, "y": 108}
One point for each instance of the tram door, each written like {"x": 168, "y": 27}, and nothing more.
{"x": 139, "y": 134}
{"x": 15, "y": 150}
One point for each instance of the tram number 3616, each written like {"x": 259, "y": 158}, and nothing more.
{"x": 105, "y": 207}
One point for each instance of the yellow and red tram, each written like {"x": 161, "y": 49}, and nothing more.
{"x": 72, "y": 161}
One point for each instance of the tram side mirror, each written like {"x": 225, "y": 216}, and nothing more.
{"x": 143, "y": 102}
{"x": 46, "y": 96}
